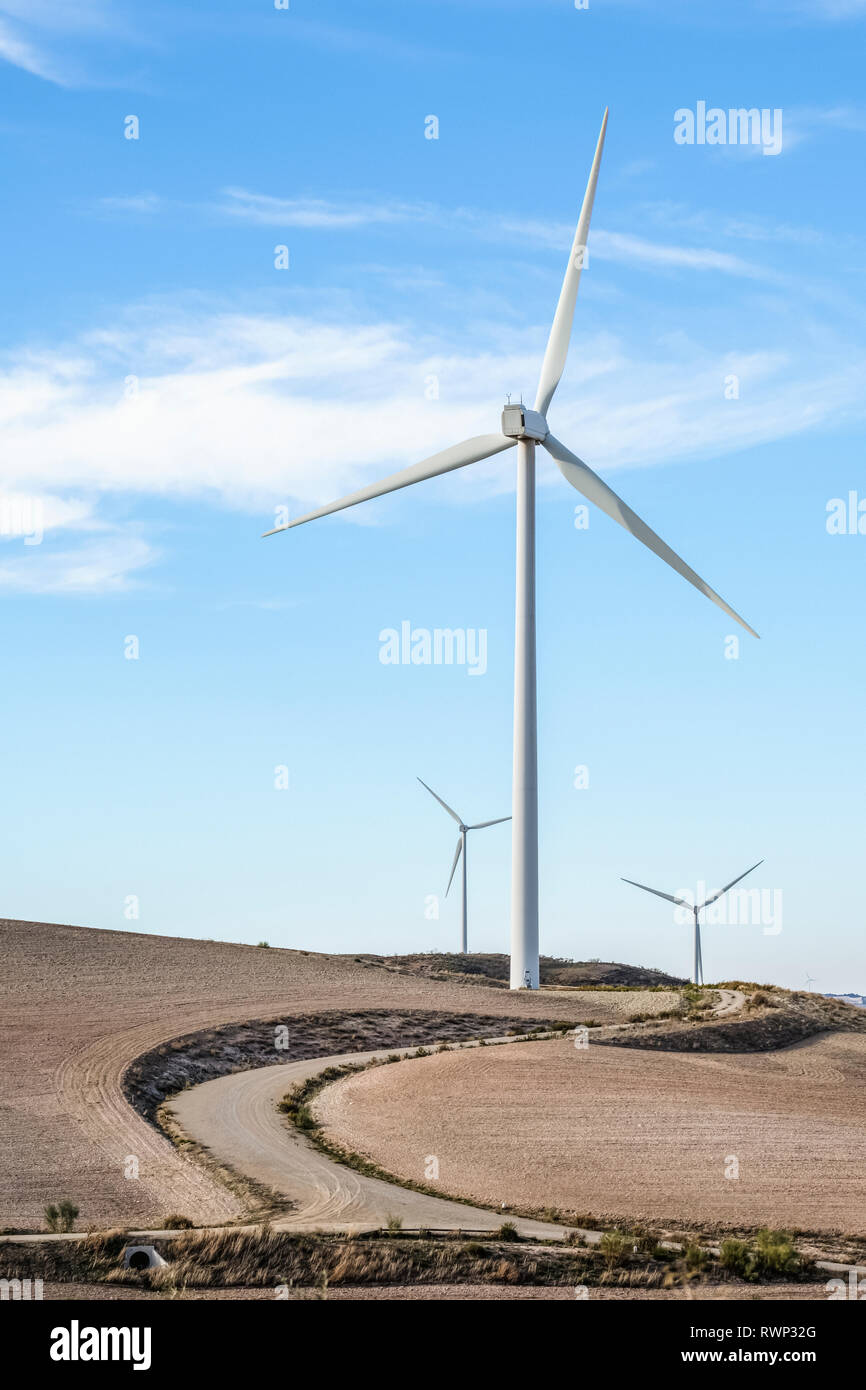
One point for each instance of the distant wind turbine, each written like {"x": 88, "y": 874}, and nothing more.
{"x": 461, "y": 850}
{"x": 526, "y": 428}
{"x": 810, "y": 980}
{"x": 695, "y": 909}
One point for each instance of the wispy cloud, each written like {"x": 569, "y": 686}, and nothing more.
{"x": 614, "y": 246}
{"x": 804, "y": 123}
{"x": 21, "y": 53}
{"x": 253, "y": 411}
{"x": 53, "y": 545}
{"x": 50, "y": 38}
{"x": 132, "y": 202}
{"x": 317, "y": 212}
{"x": 100, "y": 566}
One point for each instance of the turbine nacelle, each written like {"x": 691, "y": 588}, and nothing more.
{"x": 519, "y": 422}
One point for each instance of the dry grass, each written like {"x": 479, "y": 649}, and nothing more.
{"x": 268, "y": 1259}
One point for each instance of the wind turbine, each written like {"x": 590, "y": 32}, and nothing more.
{"x": 525, "y": 428}
{"x": 695, "y": 909}
{"x": 810, "y": 980}
{"x": 461, "y": 849}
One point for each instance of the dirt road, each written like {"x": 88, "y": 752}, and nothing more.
{"x": 78, "y": 1005}
{"x": 237, "y": 1119}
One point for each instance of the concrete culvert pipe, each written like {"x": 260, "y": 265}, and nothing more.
{"x": 142, "y": 1257}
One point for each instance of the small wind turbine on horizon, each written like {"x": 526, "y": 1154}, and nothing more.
{"x": 810, "y": 980}
{"x": 696, "y": 909}
{"x": 461, "y": 850}
{"x": 525, "y": 428}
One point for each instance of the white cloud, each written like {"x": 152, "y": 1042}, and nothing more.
{"x": 99, "y": 566}
{"x": 615, "y": 246}
{"x": 256, "y": 411}
{"x": 93, "y": 557}
{"x": 18, "y": 51}
{"x": 134, "y": 202}
{"x": 38, "y": 36}
{"x": 316, "y": 212}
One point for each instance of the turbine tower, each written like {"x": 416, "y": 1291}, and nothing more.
{"x": 696, "y": 909}
{"x": 461, "y": 850}
{"x": 525, "y": 428}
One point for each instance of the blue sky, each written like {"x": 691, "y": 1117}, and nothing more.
{"x": 164, "y": 388}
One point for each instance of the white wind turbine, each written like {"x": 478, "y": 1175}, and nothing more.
{"x": 525, "y": 428}
{"x": 696, "y": 909}
{"x": 461, "y": 850}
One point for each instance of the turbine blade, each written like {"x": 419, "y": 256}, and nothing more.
{"x": 456, "y": 861}
{"x": 590, "y": 485}
{"x": 484, "y": 824}
{"x": 449, "y": 809}
{"x": 670, "y": 898}
{"x": 481, "y": 446}
{"x": 560, "y": 334}
{"x": 731, "y": 884}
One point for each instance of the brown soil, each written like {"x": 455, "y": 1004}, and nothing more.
{"x": 447, "y": 1293}
{"x": 79, "y": 1005}
{"x": 621, "y": 1134}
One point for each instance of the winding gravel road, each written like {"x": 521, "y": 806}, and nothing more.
{"x": 236, "y": 1118}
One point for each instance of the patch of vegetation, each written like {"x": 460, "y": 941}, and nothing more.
{"x": 769, "y": 1255}
{"x": 696, "y": 1258}
{"x": 613, "y": 1246}
{"x": 494, "y": 969}
{"x": 62, "y": 1216}
{"x": 267, "y": 1258}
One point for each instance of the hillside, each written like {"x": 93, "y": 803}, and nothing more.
{"x": 493, "y": 970}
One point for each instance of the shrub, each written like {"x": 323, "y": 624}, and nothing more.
{"x": 176, "y": 1223}
{"x": 771, "y": 1256}
{"x": 508, "y": 1231}
{"x": 395, "y": 1224}
{"x": 642, "y": 1239}
{"x": 62, "y": 1216}
{"x": 734, "y": 1256}
{"x": 263, "y": 943}
{"x": 775, "y": 1253}
{"x": 613, "y": 1246}
{"x": 696, "y": 1258}
{"x": 757, "y": 1000}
